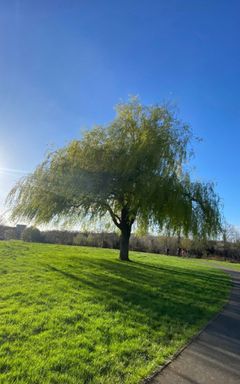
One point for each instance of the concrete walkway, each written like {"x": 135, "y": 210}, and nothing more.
{"x": 214, "y": 357}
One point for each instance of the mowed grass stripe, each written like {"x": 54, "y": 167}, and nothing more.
{"x": 75, "y": 315}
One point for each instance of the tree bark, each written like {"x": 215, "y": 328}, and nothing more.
{"x": 124, "y": 243}
{"x": 125, "y": 226}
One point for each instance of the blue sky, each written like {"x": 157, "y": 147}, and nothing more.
{"x": 65, "y": 64}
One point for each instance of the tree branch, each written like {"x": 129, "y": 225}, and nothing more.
{"x": 115, "y": 218}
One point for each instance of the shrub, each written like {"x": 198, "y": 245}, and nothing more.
{"x": 32, "y": 234}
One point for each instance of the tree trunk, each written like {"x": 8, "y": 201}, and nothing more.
{"x": 124, "y": 243}
{"x": 125, "y": 226}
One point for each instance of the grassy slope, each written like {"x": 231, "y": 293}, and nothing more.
{"x": 78, "y": 315}
{"x": 222, "y": 264}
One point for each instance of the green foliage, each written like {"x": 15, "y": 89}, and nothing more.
{"x": 71, "y": 315}
{"x": 134, "y": 169}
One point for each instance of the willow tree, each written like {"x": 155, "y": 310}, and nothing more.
{"x": 135, "y": 170}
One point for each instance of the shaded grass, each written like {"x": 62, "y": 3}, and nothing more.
{"x": 75, "y": 315}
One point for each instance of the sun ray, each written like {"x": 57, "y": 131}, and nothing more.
{"x": 12, "y": 171}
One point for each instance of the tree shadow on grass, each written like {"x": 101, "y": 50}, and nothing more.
{"x": 145, "y": 293}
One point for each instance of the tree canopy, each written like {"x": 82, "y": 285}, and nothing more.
{"x": 135, "y": 169}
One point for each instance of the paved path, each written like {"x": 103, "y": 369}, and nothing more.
{"x": 214, "y": 357}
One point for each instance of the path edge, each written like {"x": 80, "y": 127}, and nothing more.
{"x": 148, "y": 379}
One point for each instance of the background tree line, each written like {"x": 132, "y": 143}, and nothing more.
{"x": 226, "y": 249}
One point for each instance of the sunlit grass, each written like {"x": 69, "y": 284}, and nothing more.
{"x": 75, "y": 315}
{"x": 222, "y": 264}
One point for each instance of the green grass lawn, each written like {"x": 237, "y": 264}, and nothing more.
{"x": 222, "y": 264}
{"x": 75, "y": 315}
